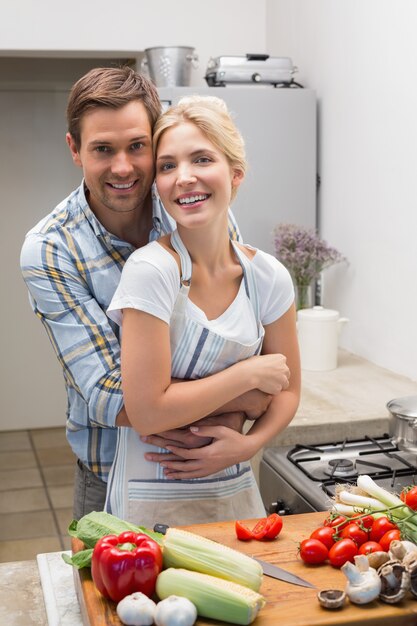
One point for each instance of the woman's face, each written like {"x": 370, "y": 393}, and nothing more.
{"x": 193, "y": 177}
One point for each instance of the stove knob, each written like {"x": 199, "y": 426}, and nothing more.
{"x": 279, "y": 507}
{"x": 256, "y": 77}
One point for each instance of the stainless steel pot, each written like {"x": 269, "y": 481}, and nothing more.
{"x": 404, "y": 411}
{"x": 169, "y": 66}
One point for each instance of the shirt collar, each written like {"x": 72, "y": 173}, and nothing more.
{"x": 101, "y": 232}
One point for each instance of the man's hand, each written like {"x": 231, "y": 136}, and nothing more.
{"x": 185, "y": 438}
{"x": 227, "y": 448}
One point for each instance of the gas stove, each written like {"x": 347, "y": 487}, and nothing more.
{"x": 301, "y": 479}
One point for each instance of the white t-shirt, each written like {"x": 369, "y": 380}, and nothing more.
{"x": 150, "y": 282}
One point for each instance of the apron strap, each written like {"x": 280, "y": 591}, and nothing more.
{"x": 247, "y": 268}
{"x": 248, "y": 276}
{"x": 186, "y": 265}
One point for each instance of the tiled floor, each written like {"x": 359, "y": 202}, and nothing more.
{"x": 36, "y": 487}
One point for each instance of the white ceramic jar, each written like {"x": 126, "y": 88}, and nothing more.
{"x": 318, "y": 337}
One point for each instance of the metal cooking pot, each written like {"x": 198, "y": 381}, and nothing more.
{"x": 169, "y": 66}
{"x": 404, "y": 411}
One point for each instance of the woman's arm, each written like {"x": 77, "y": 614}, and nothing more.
{"x": 230, "y": 447}
{"x": 153, "y": 404}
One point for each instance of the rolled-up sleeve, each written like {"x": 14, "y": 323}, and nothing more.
{"x": 84, "y": 339}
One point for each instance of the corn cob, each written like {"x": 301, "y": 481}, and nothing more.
{"x": 184, "y": 549}
{"x": 213, "y": 597}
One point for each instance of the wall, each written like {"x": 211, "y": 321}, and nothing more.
{"x": 361, "y": 58}
{"x": 43, "y": 51}
{"x": 129, "y": 26}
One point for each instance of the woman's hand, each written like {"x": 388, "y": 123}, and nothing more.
{"x": 228, "y": 447}
{"x": 270, "y": 372}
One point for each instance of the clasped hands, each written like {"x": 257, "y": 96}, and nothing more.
{"x": 213, "y": 442}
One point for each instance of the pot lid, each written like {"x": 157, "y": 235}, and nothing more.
{"x": 318, "y": 314}
{"x": 403, "y": 407}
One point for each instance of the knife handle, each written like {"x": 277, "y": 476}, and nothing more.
{"x": 160, "y": 528}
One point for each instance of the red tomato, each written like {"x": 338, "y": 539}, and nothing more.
{"x": 325, "y": 534}
{"x": 380, "y": 526}
{"x": 364, "y": 522}
{"x": 336, "y": 521}
{"x": 342, "y": 551}
{"x": 273, "y": 526}
{"x": 410, "y": 497}
{"x": 243, "y": 532}
{"x": 313, "y": 551}
{"x": 386, "y": 539}
{"x": 266, "y": 528}
{"x": 370, "y": 546}
{"x": 352, "y": 531}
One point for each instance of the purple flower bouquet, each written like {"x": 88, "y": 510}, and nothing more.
{"x": 305, "y": 255}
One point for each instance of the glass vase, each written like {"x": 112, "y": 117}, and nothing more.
{"x": 303, "y": 296}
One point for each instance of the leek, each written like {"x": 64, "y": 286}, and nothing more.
{"x": 377, "y": 501}
{"x": 356, "y": 500}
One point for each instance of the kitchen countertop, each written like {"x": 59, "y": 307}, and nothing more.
{"x": 346, "y": 402}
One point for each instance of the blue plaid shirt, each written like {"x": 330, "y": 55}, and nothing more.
{"x": 71, "y": 265}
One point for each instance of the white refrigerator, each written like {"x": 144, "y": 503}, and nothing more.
{"x": 279, "y": 129}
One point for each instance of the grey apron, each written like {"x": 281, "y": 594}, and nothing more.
{"x": 137, "y": 489}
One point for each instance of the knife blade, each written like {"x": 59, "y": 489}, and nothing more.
{"x": 281, "y": 574}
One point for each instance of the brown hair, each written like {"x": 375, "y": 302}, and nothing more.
{"x": 211, "y": 116}
{"x": 109, "y": 87}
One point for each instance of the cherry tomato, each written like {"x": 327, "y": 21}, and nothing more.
{"x": 409, "y": 496}
{"x": 313, "y": 551}
{"x": 353, "y": 531}
{"x": 325, "y": 534}
{"x": 380, "y": 526}
{"x": 266, "y": 528}
{"x": 364, "y": 522}
{"x": 273, "y": 526}
{"x": 370, "y": 546}
{"x": 342, "y": 551}
{"x": 336, "y": 521}
{"x": 243, "y": 532}
{"x": 386, "y": 539}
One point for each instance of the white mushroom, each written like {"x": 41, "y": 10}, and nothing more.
{"x": 364, "y": 584}
{"x": 398, "y": 549}
{"x": 136, "y": 610}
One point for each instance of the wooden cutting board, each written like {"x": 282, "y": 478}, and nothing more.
{"x": 286, "y": 605}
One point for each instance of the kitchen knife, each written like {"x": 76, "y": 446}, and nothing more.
{"x": 268, "y": 568}
{"x": 281, "y": 574}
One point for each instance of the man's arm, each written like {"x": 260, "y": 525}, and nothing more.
{"x": 78, "y": 328}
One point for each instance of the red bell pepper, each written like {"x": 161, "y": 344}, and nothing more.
{"x": 124, "y": 564}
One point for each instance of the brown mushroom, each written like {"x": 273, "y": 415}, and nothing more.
{"x": 376, "y": 559}
{"x": 410, "y": 563}
{"x": 395, "y": 582}
{"x": 331, "y": 598}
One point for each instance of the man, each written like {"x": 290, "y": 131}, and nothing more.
{"x": 71, "y": 262}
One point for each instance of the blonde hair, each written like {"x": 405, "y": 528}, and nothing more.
{"x": 211, "y": 116}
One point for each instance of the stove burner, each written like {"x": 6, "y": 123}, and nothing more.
{"x": 340, "y": 467}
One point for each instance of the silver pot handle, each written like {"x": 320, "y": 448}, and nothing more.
{"x": 194, "y": 60}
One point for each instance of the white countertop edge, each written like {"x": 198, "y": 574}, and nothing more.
{"x": 61, "y": 604}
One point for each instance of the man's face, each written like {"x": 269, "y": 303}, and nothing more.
{"x": 116, "y": 158}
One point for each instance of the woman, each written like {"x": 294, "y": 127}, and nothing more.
{"x": 199, "y": 307}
